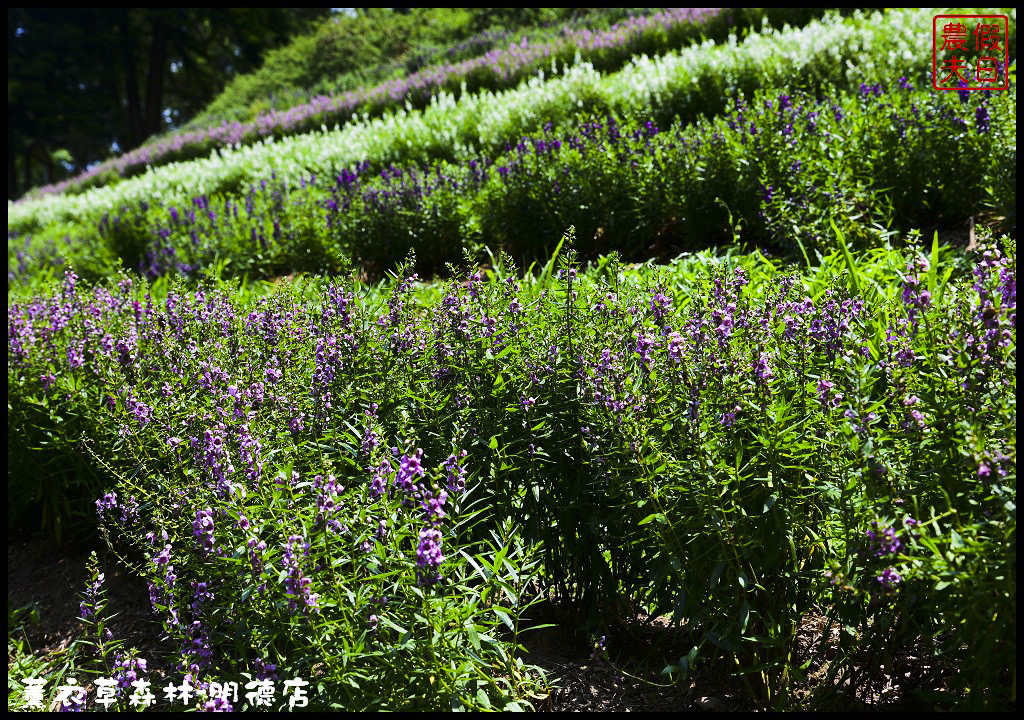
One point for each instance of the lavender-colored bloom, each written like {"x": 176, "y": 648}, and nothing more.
{"x": 250, "y": 450}
{"x": 379, "y": 482}
{"x": 93, "y": 604}
{"x": 889, "y": 578}
{"x": 644, "y": 343}
{"x": 197, "y": 648}
{"x": 914, "y": 419}
{"x": 456, "y": 473}
{"x": 429, "y": 556}
{"x": 142, "y": 412}
{"x": 256, "y": 550}
{"x": 218, "y": 704}
{"x": 370, "y": 438}
{"x": 434, "y": 506}
{"x": 107, "y": 502}
{"x": 981, "y": 119}
{"x": 265, "y": 670}
{"x": 675, "y": 347}
{"x": 884, "y": 542}
{"x": 163, "y": 557}
{"x": 296, "y": 583}
{"x": 72, "y": 699}
{"x": 963, "y": 92}
{"x": 202, "y": 527}
{"x": 409, "y": 468}
{"x": 127, "y": 669}
{"x": 824, "y": 387}
{"x": 75, "y": 355}
{"x": 660, "y": 304}
{"x": 763, "y": 368}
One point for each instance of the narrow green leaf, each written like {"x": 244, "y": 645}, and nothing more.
{"x": 474, "y": 637}
{"x": 503, "y": 616}
{"x": 942, "y": 285}
{"x": 660, "y": 517}
{"x": 684, "y": 667}
{"x": 716, "y": 574}
{"x": 854, "y": 274}
{"x": 933, "y": 271}
{"x": 955, "y": 541}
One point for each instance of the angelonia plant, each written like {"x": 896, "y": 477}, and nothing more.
{"x": 115, "y": 668}
{"x": 781, "y": 166}
{"x": 366, "y": 487}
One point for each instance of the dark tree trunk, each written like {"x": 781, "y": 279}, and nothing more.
{"x": 12, "y": 176}
{"x": 27, "y": 170}
{"x": 155, "y": 85}
{"x": 131, "y": 80}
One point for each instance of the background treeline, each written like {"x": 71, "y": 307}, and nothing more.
{"x": 83, "y": 81}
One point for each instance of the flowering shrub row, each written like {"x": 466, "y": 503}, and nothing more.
{"x": 499, "y": 68}
{"x": 782, "y": 168}
{"x": 351, "y": 486}
{"x": 605, "y": 37}
{"x": 697, "y": 80}
{"x": 277, "y": 87}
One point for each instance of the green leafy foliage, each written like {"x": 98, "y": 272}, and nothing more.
{"x": 721, "y": 441}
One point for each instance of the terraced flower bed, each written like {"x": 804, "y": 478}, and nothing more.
{"x": 661, "y": 371}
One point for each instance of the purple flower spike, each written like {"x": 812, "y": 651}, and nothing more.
{"x": 889, "y": 578}
{"x": 202, "y": 527}
{"x": 429, "y": 556}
